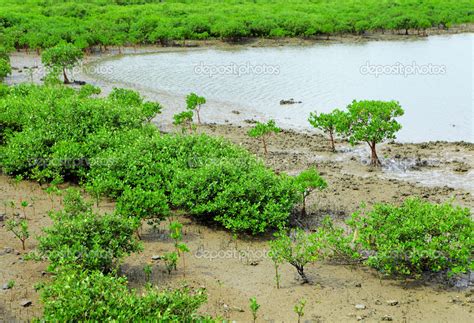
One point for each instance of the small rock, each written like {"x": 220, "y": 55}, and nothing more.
{"x": 237, "y": 309}
{"x": 2, "y": 217}
{"x": 378, "y": 302}
{"x": 235, "y": 112}
{"x": 387, "y": 318}
{"x": 360, "y": 306}
{"x": 392, "y": 302}
{"x": 254, "y": 263}
{"x": 26, "y": 303}
{"x": 7, "y": 250}
{"x": 5, "y": 286}
{"x": 17, "y": 253}
{"x": 155, "y": 257}
{"x": 358, "y": 285}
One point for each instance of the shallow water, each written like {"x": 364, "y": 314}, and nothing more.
{"x": 430, "y": 77}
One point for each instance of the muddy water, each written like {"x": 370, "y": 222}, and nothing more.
{"x": 431, "y": 78}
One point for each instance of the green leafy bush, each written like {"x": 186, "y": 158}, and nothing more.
{"x": 416, "y": 237}
{"x": 5, "y": 69}
{"x": 88, "y": 240}
{"x": 76, "y": 296}
{"x": 151, "y": 205}
{"x": 106, "y": 145}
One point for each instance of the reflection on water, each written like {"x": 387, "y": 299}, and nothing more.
{"x": 432, "y": 79}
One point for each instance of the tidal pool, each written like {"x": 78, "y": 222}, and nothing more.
{"x": 432, "y": 78}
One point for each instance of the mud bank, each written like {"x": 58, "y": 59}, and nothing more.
{"x": 233, "y": 270}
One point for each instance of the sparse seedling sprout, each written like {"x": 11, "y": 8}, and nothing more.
{"x": 254, "y": 306}
{"x": 10, "y": 284}
{"x": 171, "y": 260}
{"x": 24, "y": 205}
{"x": 148, "y": 269}
{"x": 194, "y": 102}
{"x": 176, "y": 234}
{"x": 307, "y": 181}
{"x": 263, "y": 131}
{"x": 298, "y": 250}
{"x": 330, "y": 123}
{"x": 299, "y": 309}
{"x": 19, "y": 229}
{"x": 277, "y": 261}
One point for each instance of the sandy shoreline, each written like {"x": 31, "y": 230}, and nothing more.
{"x": 428, "y": 165}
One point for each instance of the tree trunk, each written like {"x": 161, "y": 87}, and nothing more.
{"x": 300, "y": 270}
{"x": 374, "y": 160}
{"x": 184, "y": 266}
{"x": 23, "y": 244}
{"x": 264, "y": 146}
{"x": 66, "y": 80}
{"x": 303, "y": 210}
{"x": 199, "y": 117}
{"x": 331, "y": 138}
{"x": 277, "y": 276}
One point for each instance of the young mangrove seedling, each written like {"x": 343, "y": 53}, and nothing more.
{"x": 299, "y": 309}
{"x": 277, "y": 261}
{"x": 263, "y": 131}
{"x": 19, "y": 229}
{"x": 148, "y": 269}
{"x": 298, "y": 250}
{"x": 254, "y": 306}
{"x": 194, "y": 102}
{"x": 307, "y": 181}
{"x": 171, "y": 260}
{"x": 331, "y": 123}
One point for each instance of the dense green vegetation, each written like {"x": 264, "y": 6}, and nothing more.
{"x": 84, "y": 250}
{"x": 36, "y": 24}
{"x": 407, "y": 240}
{"x": 106, "y": 144}
{"x": 79, "y": 296}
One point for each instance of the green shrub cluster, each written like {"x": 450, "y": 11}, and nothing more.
{"x": 83, "y": 249}
{"x": 409, "y": 239}
{"x": 79, "y": 296}
{"x": 37, "y": 24}
{"x": 51, "y": 133}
